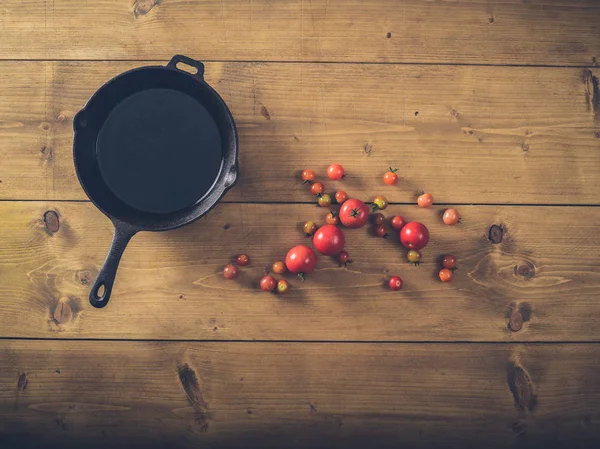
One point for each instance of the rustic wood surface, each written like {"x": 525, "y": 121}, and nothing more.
{"x": 515, "y": 135}
{"x": 302, "y": 395}
{"x": 490, "y": 105}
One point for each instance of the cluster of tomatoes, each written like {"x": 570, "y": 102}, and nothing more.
{"x": 329, "y": 239}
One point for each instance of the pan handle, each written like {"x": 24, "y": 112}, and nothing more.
{"x": 106, "y": 277}
{"x": 189, "y": 61}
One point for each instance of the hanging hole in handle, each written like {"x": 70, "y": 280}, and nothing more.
{"x": 100, "y": 290}
{"x": 187, "y": 68}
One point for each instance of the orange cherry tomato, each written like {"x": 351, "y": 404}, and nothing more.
{"x": 230, "y": 272}
{"x": 391, "y": 178}
{"x": 425, "y": 200}
{"x": 445, "y": 275}
{"x": 317, "y": 188}
{"x": 279, "y": 267}
{"x": 451, "y": 217}
{"x": 340, "y": 196}
{"x": 308, "y": 176}
{"x": 332, "y": 218}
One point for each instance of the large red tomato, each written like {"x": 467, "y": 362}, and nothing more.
{"x": 354, "y": 213}
{"x": 301, "y": 260}
{"x": 414, "y": 235}
{"x": 329, "y": 240}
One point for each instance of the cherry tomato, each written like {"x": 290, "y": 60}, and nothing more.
{"x": 449, "y": 261}
{"x": 391, "y": 178}
{"x": 308, "y": 176}
{"x": 344, "y": 258}
{"x": 340, "y": 196}
{"x": 324, "y": 200}
{"x": 397, "y": 223}
{"x": 230, "y": 272}
{"x": 380, "y": 231}
{"x": 243, "y": 260}
{"x": 309, "y": 228}
{"x": 451, "y": 217}
{"x": 282, "y": 286}
{"x": 268, "y": 283}
{"x": 380, "y": 202}
{"x": 425, "y": 200}
{"x": 279, "y": 267}
{"x": 414, "y": 256}
{"x": 316, "y": 188}
{"x": 378, "y": 219}
{"x": 335, "y": 172}
{"x": 395, "y": 283}
{"x": 354, "y": 213}
{"x": 329, "y": 240}
{"x": 332, "y": 218}
{"x": 414, "y": 235}
{"x": 445, "y": 275}
{"x": 301, "y": 260}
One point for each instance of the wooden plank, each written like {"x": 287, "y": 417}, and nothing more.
{"x": 466, "y": 134}
{"x": 541, "y": 283}
{"x": 298, "y": 395}
{"x": 481, "y": 32}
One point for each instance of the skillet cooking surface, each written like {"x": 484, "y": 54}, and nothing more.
{"x": 159, "y": 150}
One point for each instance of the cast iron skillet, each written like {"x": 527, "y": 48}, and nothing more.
{"x": 155, "y": 148}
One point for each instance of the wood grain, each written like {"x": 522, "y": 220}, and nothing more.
{"x": 474, "y": 32}
{"x": 95, "y": 394}
{"x": 466, "y": 134}
{"x": 541, "y": 283}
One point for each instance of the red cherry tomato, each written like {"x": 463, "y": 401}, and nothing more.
{"x": 354, "y": 213}
{"x": 230, "y": 272}
{"x": 341, "y": 196}
{"x": 282, "y": 286}
{"x": 301, "y": 260}
{"x": 378, "y": 219}
{"x": 268, "y": 283}
{"x": 397, "y": 223}
{"x": 449, "y": 261}
{"x": 317, "y": 188}
{"x": 344, "y": 258}
{"x": 425, "y": 200}
{"x": 332, "y": 218}
{"x": 380, "y": 231}
{"x": 391, "y": 178}
{"x": 329, "y": 240}
{"x": 308, "y": 176}
{"x": 243, "y": 260}
{"x": 335, "y": 172}
{"x": 414, "y": 235}
{"x": 445, "y": 275}
{"x": 451, "y": 217}
{"x": 279, "y": 267}
{"x": 395, "y": 283}
{"x": 324, "y": 200}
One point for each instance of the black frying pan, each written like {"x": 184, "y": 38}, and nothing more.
{"x": 155, "y": 148}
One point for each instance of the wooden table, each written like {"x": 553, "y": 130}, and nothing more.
{"x": 492, "y": 106}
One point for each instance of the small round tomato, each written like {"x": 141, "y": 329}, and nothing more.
{"x": 414, "y": 256}
{"x": 282, "y": 286}
{"x": 449, "y": 261}
{"x": 309, "y": 228}
{"x": 317, "y": 188}
{"x": 301, "y": 260}
{"x": 445, "y": 275}
{"x": 451, "y": 217}
{"x": 425, "y": 200}
{"x": 380, "y": 202}
{"x": 397, "y": 223}
{"x": 380, "y": 231}
{"x": 308, "y": 176}
{"x": 335, "y": 172}
{"x": 324, "y": 200}
{"x": 395, "y": 283}
{"x": 354, "y": 213}
{"x": 344, "y": 258}
{"x": 414, "y": 235}
{"x": 332, "y": 218}
{"x": 329, "y": 240}
{"x": 340, "y": 196}
{"x": 391, "y": 178}
{"x": 268, "y": 283}
{"x": 279, "y": 267}
{"x": 378, "y": 219}
{"x": 243, "y": 260}
{"x": 230, "y": 272}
